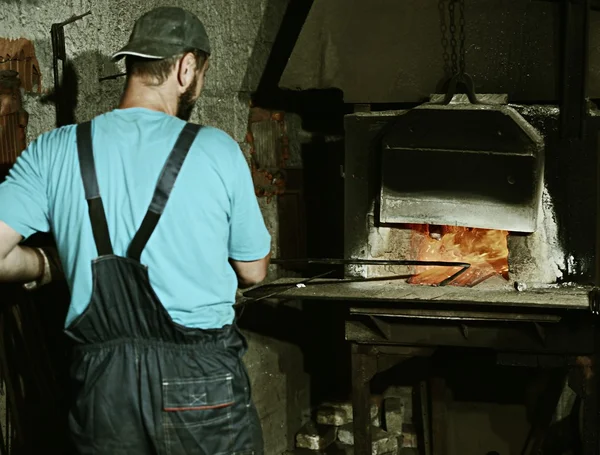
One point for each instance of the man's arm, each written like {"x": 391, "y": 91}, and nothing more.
{"x": 249, "y": 239}
{"x": 24, "y": 210}
{"x": 250, "y": 273}
{"x": 18, "y": 263}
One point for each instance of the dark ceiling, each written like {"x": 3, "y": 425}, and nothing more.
{"x": 385, "y": 51}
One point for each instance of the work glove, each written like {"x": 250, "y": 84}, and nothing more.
{"x": 51, "y": 268}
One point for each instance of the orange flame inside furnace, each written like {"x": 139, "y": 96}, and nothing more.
{"x": 485, "y": 249}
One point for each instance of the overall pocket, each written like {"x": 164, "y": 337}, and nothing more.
{"x": 197, "y": 415}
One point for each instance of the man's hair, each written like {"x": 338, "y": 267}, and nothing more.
{"x": 156, "y": 72}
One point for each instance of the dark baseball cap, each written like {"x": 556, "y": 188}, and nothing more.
{"x": 164, "y": 32}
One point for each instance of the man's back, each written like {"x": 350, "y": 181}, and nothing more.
{"x": 212, "y": 214}
{"x": 141, "y": 382}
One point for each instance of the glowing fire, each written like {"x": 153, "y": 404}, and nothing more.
{"x": 485, "y": 249}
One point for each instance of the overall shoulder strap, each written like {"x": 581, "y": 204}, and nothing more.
{"x": 165, "y": 184}
{"x": 92, "y": 191}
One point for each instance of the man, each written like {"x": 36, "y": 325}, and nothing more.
{"x": 156, "y": 224}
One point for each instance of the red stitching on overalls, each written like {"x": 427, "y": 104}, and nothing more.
{"x": 199, "y": 408}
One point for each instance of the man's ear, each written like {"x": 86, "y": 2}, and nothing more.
{"x": 186, "y": 70}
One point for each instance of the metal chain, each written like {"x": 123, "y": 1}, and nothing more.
{"x": 444, "y": 30}
{"x": 461, "y": 24}
{"x": 454, "y": 61}
{"x": 453, "y": 42}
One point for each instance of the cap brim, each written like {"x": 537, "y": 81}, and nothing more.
{"x": 148, "y": 50}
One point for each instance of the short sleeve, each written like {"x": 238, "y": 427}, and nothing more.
{"x": 23, "y": 195}
{"x": 249, "y": 239}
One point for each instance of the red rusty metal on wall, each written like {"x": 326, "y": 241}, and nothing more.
{"x": 19, "y": 55}
{"x": 13, "y": 118}
{"x": 19, "y": 70}
{"x": 267, "y": 165}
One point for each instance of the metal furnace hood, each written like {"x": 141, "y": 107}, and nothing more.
{"x": 462, "y": 164}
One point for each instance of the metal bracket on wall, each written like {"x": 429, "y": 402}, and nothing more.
{"x": 57, "y": 32}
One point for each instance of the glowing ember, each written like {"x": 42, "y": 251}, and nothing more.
{"x": 485, "y": 249}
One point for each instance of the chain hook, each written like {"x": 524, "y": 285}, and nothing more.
{"x": 467, "y": 82}
{"x": 457, "y": 63}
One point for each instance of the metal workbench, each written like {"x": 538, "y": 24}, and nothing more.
{"x": 389, "y": 321}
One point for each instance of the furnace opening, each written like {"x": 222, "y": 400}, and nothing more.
{"x": 485, "y": 249}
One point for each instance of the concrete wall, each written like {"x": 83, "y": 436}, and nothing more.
{"x": 242, "y": 33}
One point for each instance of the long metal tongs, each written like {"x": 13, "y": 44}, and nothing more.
{"x": 327, "y": 261}
{"x": 463, "y": 265}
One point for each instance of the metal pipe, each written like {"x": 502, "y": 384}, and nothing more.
{"x": 574, "y": 71}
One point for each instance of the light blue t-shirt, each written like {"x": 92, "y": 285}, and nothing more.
{"x": 212, "y": 214}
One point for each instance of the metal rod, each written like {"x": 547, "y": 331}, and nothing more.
{"x": 464, "y": 265}
{"x": 75, "y": 18}
{"x": 292, "y": 286}
{"x": 329, "y": 261}
{"x": 112, "y": 76}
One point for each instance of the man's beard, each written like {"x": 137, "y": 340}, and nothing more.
{"x": 187, "y": 101}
